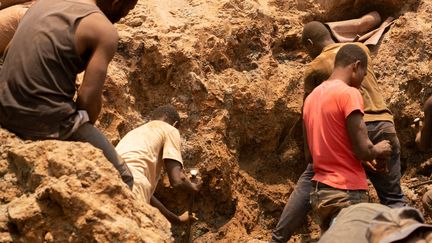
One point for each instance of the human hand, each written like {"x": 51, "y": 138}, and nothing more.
{"x": 196, "y": 183}
{"x": 383, "y": 149}
{"x": 186, "y": 217}
{"x": 376, "y": 165}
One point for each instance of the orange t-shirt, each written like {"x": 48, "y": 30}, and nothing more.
{"x": 324, "y": 113}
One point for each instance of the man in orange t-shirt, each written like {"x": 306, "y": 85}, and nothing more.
{"x": 337, "y": 137}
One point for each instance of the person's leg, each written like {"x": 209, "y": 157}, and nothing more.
{"x": 387, "y": 184}
{"x": 88, "y": 133}
{"x": 296, "y": 209}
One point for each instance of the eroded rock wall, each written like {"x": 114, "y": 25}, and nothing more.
{"x": 56, "y": 191}
{"x": 233, "y": 69}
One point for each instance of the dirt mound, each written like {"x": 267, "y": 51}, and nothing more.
{"x": 68, "y": 192}
{"x": 233, "y": 68}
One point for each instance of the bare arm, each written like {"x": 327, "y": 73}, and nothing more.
{"x": 363, "y": 148}
{"x": 177, "y": 177}
{"x": 95, "y": 36}
{"x": 359, "y": 25}
{"x": 425, "y": 141}
{"x": 165, "y": 212}
{"x": 8, "y": 3}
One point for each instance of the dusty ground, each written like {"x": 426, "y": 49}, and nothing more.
{"x": 234, "y": 70}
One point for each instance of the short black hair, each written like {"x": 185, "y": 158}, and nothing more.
{"x": 166, "y": 112}
{"x": 316, "y": 31}
{"x": 349, "y": 54}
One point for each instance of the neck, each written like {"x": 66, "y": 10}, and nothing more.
{"x": 341, "y": 74}
{"x": 326, "y": 43}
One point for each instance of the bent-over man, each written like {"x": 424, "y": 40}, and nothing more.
{"x": 151, "y": 147}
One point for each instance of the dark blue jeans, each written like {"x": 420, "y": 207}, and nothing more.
{"x": 387, "y": 185}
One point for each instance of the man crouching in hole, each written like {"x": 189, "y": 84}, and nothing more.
{"x": 151, "y": 147}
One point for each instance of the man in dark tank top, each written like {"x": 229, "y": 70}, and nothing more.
{"x": 54, "y": 42}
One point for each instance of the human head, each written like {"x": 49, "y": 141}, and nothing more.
{"x": 167, "y": 113}
{"x": 354, "y": 59}
{"x": 315, "y": 37}
{"x": 114, "y": 10}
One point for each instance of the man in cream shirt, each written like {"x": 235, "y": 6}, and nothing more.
{"x": 149, "y": 148}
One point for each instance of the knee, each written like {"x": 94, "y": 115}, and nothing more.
{"x": 427, "y": 201}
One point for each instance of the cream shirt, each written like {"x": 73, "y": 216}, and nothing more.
{"x": 144, "y": 149}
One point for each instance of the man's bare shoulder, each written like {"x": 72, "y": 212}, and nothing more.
{"x": 97, "y": 26}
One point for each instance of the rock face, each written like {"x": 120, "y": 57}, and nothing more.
{"x": 56, "y": 191}
{"x": 233, "y": 68}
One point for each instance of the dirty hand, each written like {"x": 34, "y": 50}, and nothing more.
{"x": 196, "y": 183}
{"x": 377, "y": 165}
{"x": 185, "y": 217}
{"x": 383, "y": 149}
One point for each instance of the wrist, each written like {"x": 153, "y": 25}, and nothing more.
{"x": 374, "y": 153}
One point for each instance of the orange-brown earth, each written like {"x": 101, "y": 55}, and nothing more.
{"x": 233, "y": 68}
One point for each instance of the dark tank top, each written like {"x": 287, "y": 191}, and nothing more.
{"x": 37, "y": 80}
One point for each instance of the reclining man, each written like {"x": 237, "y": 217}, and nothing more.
{"x": 150, "y": 147}
{"x": 54, "y": 42}
{"x": 337, "y": 138}
{"x": 379, "y": 122}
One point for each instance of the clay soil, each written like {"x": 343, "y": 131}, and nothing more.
{"x": 234, "y": 68}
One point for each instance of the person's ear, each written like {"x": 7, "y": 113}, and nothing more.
{"x": 116, "y": 3}
{"x": 356, "y": 66}
{"x": 309, "y": 42}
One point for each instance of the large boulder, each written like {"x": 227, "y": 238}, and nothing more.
{"x": 54, "y": 191}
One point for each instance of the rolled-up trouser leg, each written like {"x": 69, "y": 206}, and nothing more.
{"x": 296, "y": 209}
{"x": 387, "y": 184}
{"x": 90, "y": 134}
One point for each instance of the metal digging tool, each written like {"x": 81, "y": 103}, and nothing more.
{"x": 189, "y": 235}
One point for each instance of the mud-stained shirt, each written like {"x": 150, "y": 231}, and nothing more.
{"x": 37, "y": 80}
{"x": 145, "y": 148}
{"x": 321, "y": 68}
